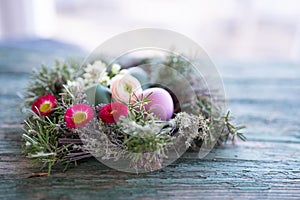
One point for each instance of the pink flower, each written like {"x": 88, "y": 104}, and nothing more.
{"x": 112, "y": 112}
{"x": 78, "y": 115}
{"x": 44, "y": 105}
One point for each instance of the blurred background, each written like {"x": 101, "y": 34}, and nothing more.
{"x": 238, "y": 30}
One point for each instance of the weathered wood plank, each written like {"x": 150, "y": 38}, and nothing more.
{"x": 254, "y": 170}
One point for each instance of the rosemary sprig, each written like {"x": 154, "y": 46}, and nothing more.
{"x": 41, "y": 141}
{"x": 49, "y": 80}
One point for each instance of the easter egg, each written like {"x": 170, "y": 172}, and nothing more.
{"x": 103, "y": 95}
{"x": 97, "y": 94}
{"x": 161, "y": 104}
{"x": 140, "y": 74}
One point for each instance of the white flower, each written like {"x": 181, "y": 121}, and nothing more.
{"x": 115, "y": 68}
{"x": 94, "y": 73}
{"x": 123, "y": 87}
{"x": 105, "y": 80}
{"x": 98, "y": 66}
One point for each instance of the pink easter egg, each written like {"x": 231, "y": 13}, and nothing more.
{"x": 161, "y": 104}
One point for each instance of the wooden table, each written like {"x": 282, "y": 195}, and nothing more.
{"x": 264, "y": 96}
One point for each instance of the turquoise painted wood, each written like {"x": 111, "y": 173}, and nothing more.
{"x": 265, "y": 97}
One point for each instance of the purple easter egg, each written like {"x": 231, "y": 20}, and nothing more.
{"x": 161, "y": 104}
